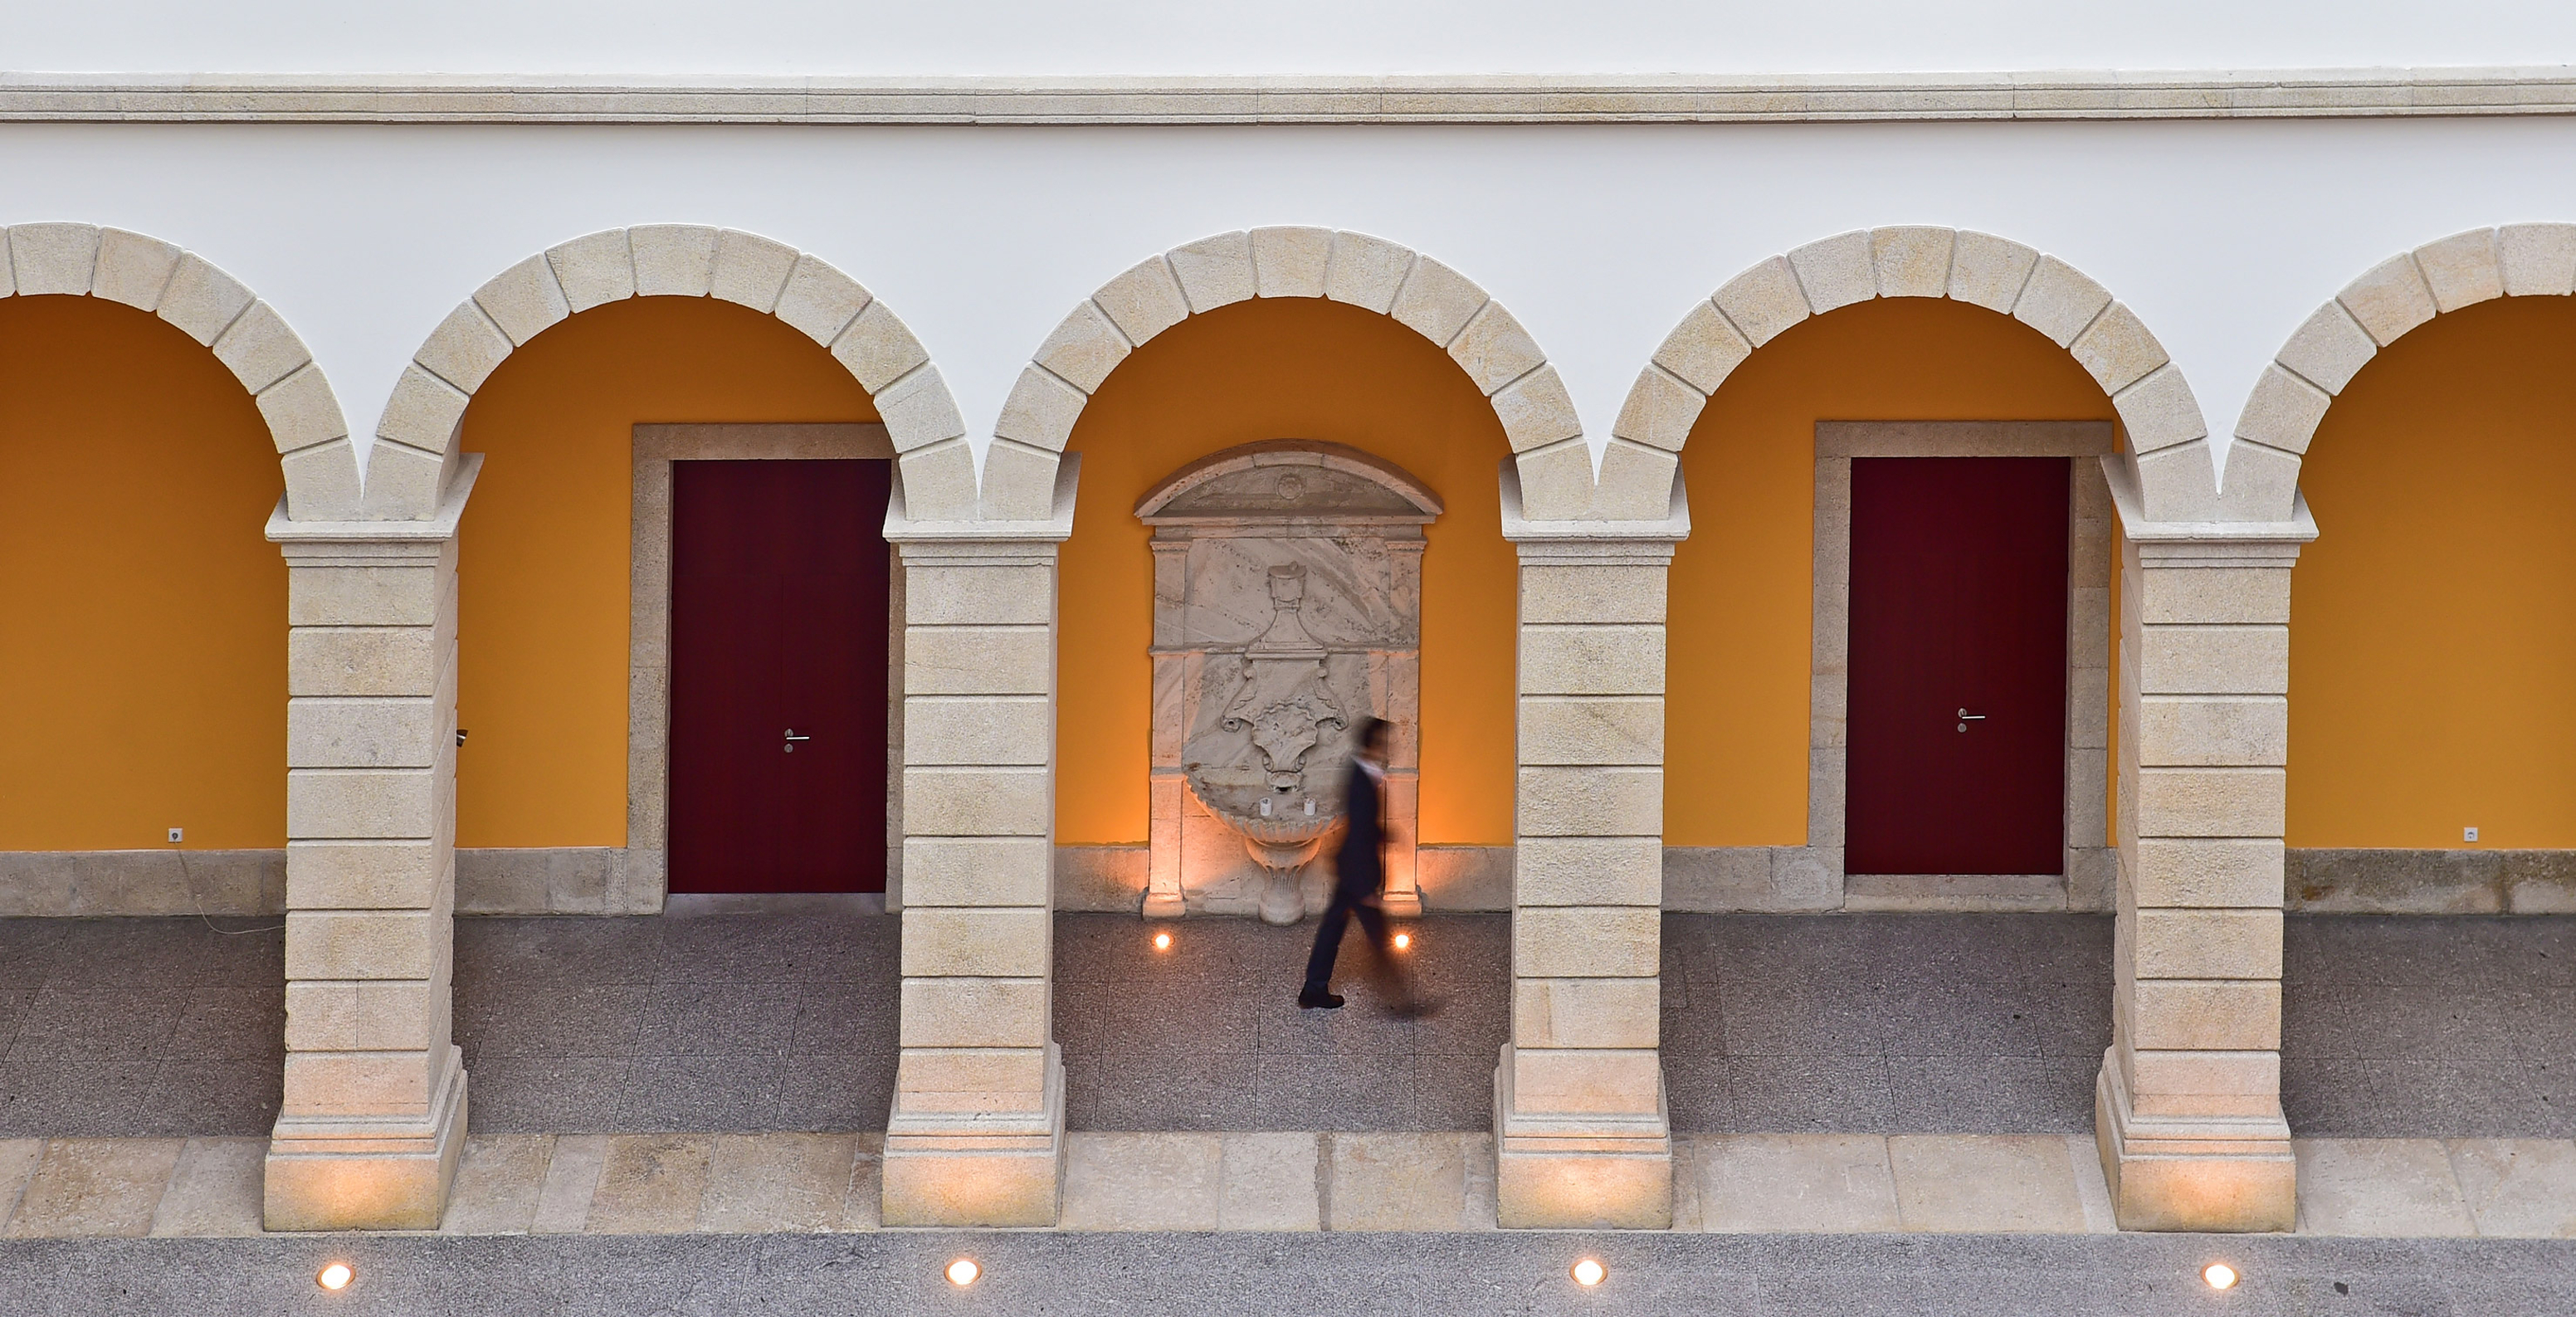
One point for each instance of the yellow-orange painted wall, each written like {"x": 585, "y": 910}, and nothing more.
{"x": 1743, "y": 585}
{"x": 2433, "y": 622}
{"x": 544, "y": 552}
{"x": 1288, "y": 368}
{"x": 143, "y": 656}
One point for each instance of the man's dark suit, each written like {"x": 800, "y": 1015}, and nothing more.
{"x": 1362, "y": 867}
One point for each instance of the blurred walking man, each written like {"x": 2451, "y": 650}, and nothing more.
{"x": 1360, "y": 878}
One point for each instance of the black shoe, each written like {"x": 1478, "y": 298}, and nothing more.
{"x": 1319, "y": 1001}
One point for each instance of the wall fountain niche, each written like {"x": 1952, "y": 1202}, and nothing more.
{"x": 1287, "y": 606}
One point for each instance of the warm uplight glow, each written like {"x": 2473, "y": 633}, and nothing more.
{"x": 1589, "y": 1272}
{"x": 963, "y": 1272}
{"x": 335, "y": 1277}
{"x": 1162, "y": 941}
{"x": 2220, "y": 1276}
{"x": 1403, "y": 940}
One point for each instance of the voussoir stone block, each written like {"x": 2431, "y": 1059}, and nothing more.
{"x": 2159, "y": 411}
{"x": 465, "y": 348}
{"x": 1763, "y": 301}
{"x": 1536, "y": 411}
{"x": 2537, "y": 260}
{"x": 1660, "y": 411}
{"x": 1556, "y": 482}
{"x": 2390, "y": 299}
{"x": 1912, "y": 260}
{"x": 1290, "y": 261}
{"x": 1017, "y": 481}
{"x": 1989, "y": 271}
{"x": 2462, "y": 270}
{"x": 2060, "y": 300}
{"x": 322, "y": 482}
{"x": 1494, "y": 349}
{"x": 1214, "y": 272}
{"x": 53, "y": 258}
{"x": 673, "y": 260}
{"x": 201, "y": 300}
{"x": 2283, "y": 412}
{"x": 2261, "y": 483}
{"x": 878, "y": 348}
{"x": 1703, "y": 349}
{"x": 1366, "y": 271}
{"x": 1635, "y": 482}
{"x": 2329, "y": 348}
{"x": 2117, "y": 349}
{"x": 524, "y": 300}
{"x": 301, "y": 411}
{"x": 132, "y": 268}
{"x": 403, "y": 482}
{"x": 1836, "y": 271}
{"x": 260, "y": 349}
{"x": 919, "y": 411}
{"x": 1144, "y": 300}
{"x": 423, "y": 412}
{"x": 820, "y": 300}
{"x": 1084, "y": 349}
{"x": 750, "y": 270}
{"x": 938, "y": 480}
{"x": 594, "y": 270}
{"x": 1041, "y": 410}
{"x": 1436, "y": 301}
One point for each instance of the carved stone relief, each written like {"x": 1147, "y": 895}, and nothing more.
{"x": 1287, "y": 606}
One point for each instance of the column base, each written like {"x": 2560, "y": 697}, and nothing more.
{"x": 1165, "y": 905}
{"x": 977, "y": 1168}
{"x": 1406, "y": 904}
{"x": 368, "y": 1172}
{"x": 1581, "y": 1170}
{"x": 2229, "y": 1174}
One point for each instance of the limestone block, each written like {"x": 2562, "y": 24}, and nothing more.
{"x": 1018, "y": 482}
{"x": 403, "y": 483}
{"x": 2462, "y": 270}
{"x": 361, "y": 733}
{"x": 214, "y": 1191}
{"x": 1661, "y": 409}
{"x": 2060, "y": 300}
{"x": 465, "y": 348}
{"x": 1589, "y": 871}
{"x": 2329, "y": 348}
{"x": 986, "y": 942}
{"x": 1567, "y": 594}
{"x": 1795, "y": 1183}
{"x": 977, "y": 661}
{"x": 1041, "y": 411}
{"x": 1636, "y": 482}
{"x": 423, "y": 412}
{"x": 1912, "y": 260}
{"x": 1538, "y": 1188}
{"x": 1014, "y": 1074}
{"x": 1366, "y": 271}
{"x": 202, "y": 300}
{"x": 939, "y": 481}
{"x": 1536, "y": 410}
{"x": 2117, "y": 348}
{"x": 386, "y": 1015}
{"x": 673, "y": 260}
{"x": 976, "y": 871}
{"x": 1144, "y": 300}
{"x": 2159, "y": 411}
{"x": 1591, "y": 660}
{"x": 2388, "y": 300}
{"x": 944, "y": 594}
{"x": 1586, "y": 1080}
{"x": 1592, "y": 729}
{"x": 1986, "y": 1183}
{"x": 1084, "y": 348}
{"x": 1590, "y": 802}
{"x": 132, "y": 269}
{"x": 2211, "y": 802}
{"x": 322, "y": 482}
{"x": 2213, "y": 661}
{"x": 594, "y": 270}
{"x": 650, "y": 1184}
{"x": 1437, "y": 302}
{"x": 1556, "y": 481}
{"x": 1989, "y": 271}
{"x": 918, "y": 412}
{"x": 967, "y": 1187}
{"x": 1836, "y": 271}
{"x": 750, "y": 270}
{"x": 2283, "y": 412}
{"x": 301, "y": 412}
{"x": 977, "y": 802}
{"x": 981, "y": 729}
{"x": 2206, "y": 1015}
{"x": 2213, "y": 730}
{"x": 765, "y": 1183}
{"x": 329, "y": 803}
{"x": 2189, "y": 596}
{"x": 1146, "y": 1182}
{"x": 364, "y": 944}
{"x": 2205, "y": 1074}
{"x": 499, "y": 1180}
{"x": 878, "y": 348}
{"x": 2207, "y": 944}
{"x": 1494, "y": 349}
{"x": 1763, "y": 301}
{"x": 2261, "y": 483}
{"x": 53, "y": 258}
{"x": 1548, "y": 1013}
{"x": 2380, "y": 1187}
{"x": 2172, "y": 872}
{"x": 953, "y": 1012}
{"x": 820, "y": 300}
{"x": 1703, "y": 349}
{"x": 525, "y": 300}
{"x": 1214, "y": 272}
{"x": 260, "y": 349}
{"x": 2518, "y": 1188}
{"x": 2540, "y": 882}
{"x": 2537, "y": 260}
{"x": 89, "y": 1188}
{"x": 1290, "y": 261}
{"x": 1586, "y": 942}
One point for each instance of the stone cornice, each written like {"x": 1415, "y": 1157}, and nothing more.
{"x": 1672, "y": 98}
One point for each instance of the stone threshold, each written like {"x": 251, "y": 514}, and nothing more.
{"x": 643, "y": 1184}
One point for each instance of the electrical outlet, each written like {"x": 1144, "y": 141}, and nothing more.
{"x": 177, "y": 835}
{"x": 2468, "y": 834}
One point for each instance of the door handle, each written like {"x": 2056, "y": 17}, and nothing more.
{"x": 793, "y": 738}
{"x": 1966, "y": 718}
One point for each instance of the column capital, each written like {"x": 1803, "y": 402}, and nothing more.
{"x": 2205, "y": 543}
{"x": 1591, "y": 540}
{"x": 980, "y": 539}
{"x": 335, "y": 543}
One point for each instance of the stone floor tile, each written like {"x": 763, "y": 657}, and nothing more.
{"x": 572, "y": 1179}
{"x": 1333, "y": 1093}
{"x": 1267, "y": 1182}
{"x": 238, "y": 1096}
{"x": 548, "y": 1095}
{"x": 1985, "y": 1183}
{"x": 98, "y": 1023}
{"x": 500, "y": 1179}
{"x": 71, "y": 1099}
{"x": 827, "y": 1094}
{"x": 91, "y": 1187}
{"x": 2518, "y": 1188}
{"x": 1758, "y": 1183}
{"x": 701, "y": 1094}
{"x": 1454, "y": 1092}
{"x": 845, "y": 1019}
{"x": 566, "y": 1020}
{"x": 2383, "y": 1187}
{"x": 227, "y": 1022}
{"x": 717, "y": 1019}
{"x": 18, "y": 1159}
{"x": 1991, "y": 1094}
{"x": 13, "y": 1009}
{"x": 216, "y": 1190}
{"x": 1397, "y": 1182}
{"x": 1208, "y": 1092}
{"x": 1788, "y": 1094}
{"x": 1141, "y": 1182}
{"x": 759, "y": 1183}
{"x": 863, "y": 1203}
{"x": 650, "y": 1184}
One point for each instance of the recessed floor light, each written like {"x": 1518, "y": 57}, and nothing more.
{"x": 335, "y": 1276}
{"x": 1589, "y": 1272}
{"x": 1162, "y": 941}
{"x": 962, "y": 1272}
{"x": 2219, "y": 1275}
{"x": 1403, "y": 940}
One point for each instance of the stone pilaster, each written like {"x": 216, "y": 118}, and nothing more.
{"x": 1581, "y": 1133}
{"x": 374, "y": 1109}
{"x": 2188, "y": 1107}
{"x": 976, "y": 1134}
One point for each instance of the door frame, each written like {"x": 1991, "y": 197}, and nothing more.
{"x": 646, "y": 878}
{"x": 2085, "y": 880}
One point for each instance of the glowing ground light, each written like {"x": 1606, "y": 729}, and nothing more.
{"x": 1589, "y": 1272}
{"x": 335, "y": 1276}
{"x": 1403, "y": 940}
{"x": 963, "y": 1272}
{"x": 1162, "y": 941}
{"x": 2219, "y": 1275}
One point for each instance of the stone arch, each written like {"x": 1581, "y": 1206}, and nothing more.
{"x": 212, "y": 307}
{"x": 1356, "y": 269}
{"x": 2168, "y": 443}
{"x": 415, "y": 452}
{"x": 2387, "y": 302}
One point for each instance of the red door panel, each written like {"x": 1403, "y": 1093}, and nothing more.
{"x": 1956, "y": 759}
{"x": 778, "y": 629}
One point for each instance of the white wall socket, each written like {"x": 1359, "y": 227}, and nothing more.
{"x": 177, "y": 835}
{"x": 2468, "y": 834}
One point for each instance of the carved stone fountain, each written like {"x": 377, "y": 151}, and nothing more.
{"x": 1287, "y": 606}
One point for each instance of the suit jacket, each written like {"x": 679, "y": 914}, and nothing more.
{"x": 1361, "y": 863}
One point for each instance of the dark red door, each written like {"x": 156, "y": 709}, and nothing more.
{"x": 1957, "y": 732}
{"x": 778, "y": 676}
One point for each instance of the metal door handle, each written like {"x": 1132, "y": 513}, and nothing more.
{"x": 1966, "y": 718}
{"x": 792, "y": 739}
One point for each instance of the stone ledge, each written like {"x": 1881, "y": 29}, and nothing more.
{"x": 2322, "y": 880}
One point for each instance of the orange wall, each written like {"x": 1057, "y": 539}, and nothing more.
{"x": 2433, "y": 623}
{"x": 542, "y": 645}
{"x": 1289, "y": 368}
{"x": 1743, "y": 584}
{"x": 143, "y": 664}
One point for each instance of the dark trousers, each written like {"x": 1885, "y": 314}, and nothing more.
{"x": 1347, "y": 905}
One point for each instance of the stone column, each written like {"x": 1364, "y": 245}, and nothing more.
{"x": 1581, "y": 1132}
{"x": 2188, "y": 1107}
{"x": 374, "y": 1110}
{"x": 976, "y": 1135}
